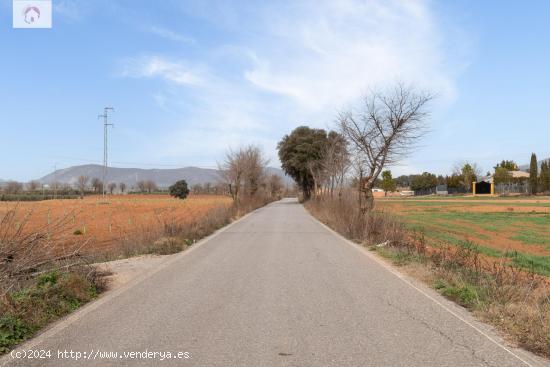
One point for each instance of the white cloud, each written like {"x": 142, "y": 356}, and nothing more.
{"x": 294, "y": 63}
{"x": 330, "y": 52}
{"x": 171, "y": 35}
{"x": 155, "y": 66}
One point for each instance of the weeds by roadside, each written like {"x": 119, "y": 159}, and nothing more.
{"x": 170, "y": 235}
{"x": 515, "y": 300}
{"x": 49, "y": 296}
{"x": 42, "y": 277}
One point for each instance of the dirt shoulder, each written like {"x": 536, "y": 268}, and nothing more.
{"x": 124, "y": 271}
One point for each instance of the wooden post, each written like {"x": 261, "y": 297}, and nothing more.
{"x": 473, "y": 188}
{"x": 492, "y": 188}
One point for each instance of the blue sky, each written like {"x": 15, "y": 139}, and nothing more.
{"x": 190, "y": 79}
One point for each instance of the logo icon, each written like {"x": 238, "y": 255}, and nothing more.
{"x": 32, "y": 13}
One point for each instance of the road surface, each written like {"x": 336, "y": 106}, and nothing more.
{"x": 276, "y": 288}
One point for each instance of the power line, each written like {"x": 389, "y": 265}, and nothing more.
{"x": 106, "y": 124}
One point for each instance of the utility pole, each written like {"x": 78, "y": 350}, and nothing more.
{"x": 106, "y": 124}
{"x": 55, "y": 181}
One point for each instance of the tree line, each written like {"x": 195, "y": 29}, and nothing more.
{"x": 384, "y": 129}
{"x": 244, "y": 171}
{"x": 378, "y": 133}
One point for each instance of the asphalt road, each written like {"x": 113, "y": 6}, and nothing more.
{"x": 274, "y": 289}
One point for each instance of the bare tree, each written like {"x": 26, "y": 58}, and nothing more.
{"x": 33, "y": 185}
{"x": 142, "y": 186}
{"x": 82, "y": 183}
{"x": 275, "y": 185}
{"x": 254, "y": 164}
{"x": 336, "y": 162}
{"x": 111, "y": 187}
{"x": 150, "y": 186}
{"x": 122, "y": 187}
{"x": 13, "y": 187}
{"x": 232, "y": 170}
{"x": 243, "y": 170}
{"x": 384, "y": 131}
{"x": 97, "y": 184}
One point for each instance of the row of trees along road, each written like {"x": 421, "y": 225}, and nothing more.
{"x": 244, "y": 173}
{"x": 382, "y": 131}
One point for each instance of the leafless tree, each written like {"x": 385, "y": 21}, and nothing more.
{"x": 232, "y": 169}
{"x": 336, "y": 162}
{"x": 97, "y": 184}
{"x": 275, "y": 185}
{"x": 13, "y": 187}
{"x": 111, "y": 187}
{"x": 33, "y": 185}
{"x": 142, "y": 186}
{"x": 65, "y": 188}
{"x": 82, "y": 183}
{"x": 150, "y": 186}
{"x": 122, "y": 187}
{"x": 317, "y": 170}
{"x": 243, "y": 170}
{"x": 385, "y": 130}
{"x": 255, "y": 165}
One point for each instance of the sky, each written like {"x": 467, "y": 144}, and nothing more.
{"x": 189, "y": 79}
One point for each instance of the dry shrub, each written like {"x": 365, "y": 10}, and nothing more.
{"x": 342, "y": 215}
{"x": 26, "y": 253}
{"x": 42, "y": 276}
{"x": 170, "y": 234}
{"x": 527, "y": 320}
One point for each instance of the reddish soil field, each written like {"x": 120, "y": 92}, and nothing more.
{"x": 102, "y": 224}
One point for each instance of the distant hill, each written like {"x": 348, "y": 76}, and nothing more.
{"x": 525, "y": 167}
{"x": 162, "y": 177}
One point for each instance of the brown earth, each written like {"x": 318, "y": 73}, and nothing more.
{"x": 101, "y": 224}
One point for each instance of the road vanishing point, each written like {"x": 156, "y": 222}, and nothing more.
{"x": 276, "y": 288}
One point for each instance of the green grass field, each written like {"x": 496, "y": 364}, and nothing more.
{"x": 517, "y": 229}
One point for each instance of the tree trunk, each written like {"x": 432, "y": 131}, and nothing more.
{"x": 368, "y": 202}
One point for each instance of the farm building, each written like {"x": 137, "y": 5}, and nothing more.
{"x": 483, "y": 188}
{"x": 517, "y": 184}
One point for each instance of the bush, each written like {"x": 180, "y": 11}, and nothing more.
{"x": 51, "y": 295}
{"x": 179, "y": 189}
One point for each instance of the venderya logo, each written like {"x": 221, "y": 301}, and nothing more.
{"x": 32, "y": 13}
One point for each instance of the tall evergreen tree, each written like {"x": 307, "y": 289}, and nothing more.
{"x": 533, "y": 174}
{"x": 545, "y": 176}
{"x": 388, "y": 183}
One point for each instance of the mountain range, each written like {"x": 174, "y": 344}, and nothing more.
{"x": 130, "y": 176}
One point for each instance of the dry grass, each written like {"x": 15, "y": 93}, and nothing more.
{"x": 516, "y": 301}
{"x": 39, "y": 280}
{"x": 27, "y": 253}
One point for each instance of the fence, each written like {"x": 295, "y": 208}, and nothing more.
{"x": 512, "y": 188}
